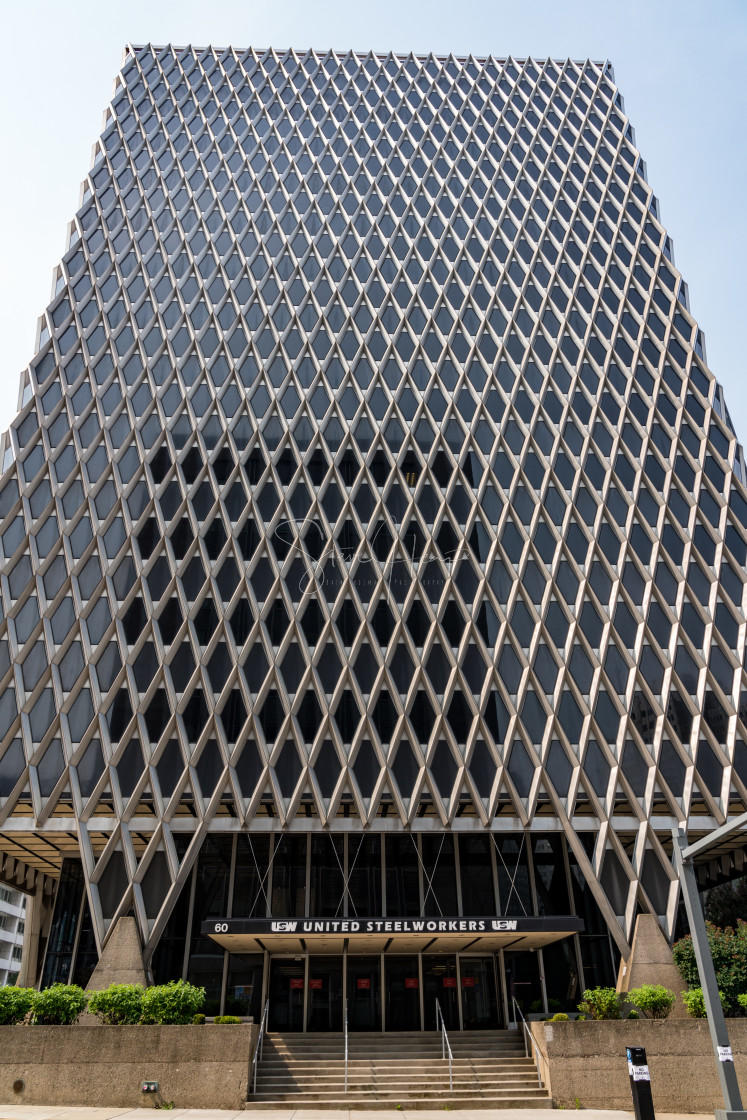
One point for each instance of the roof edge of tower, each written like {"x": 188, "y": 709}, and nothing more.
{"x": 603, "y": 64}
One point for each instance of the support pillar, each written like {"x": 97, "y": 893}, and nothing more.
{"x": 651, "y": 962}
{"x": 716, "y": 1022}
{"x": 37, "y": 917}
{"x": 121, "y": 962}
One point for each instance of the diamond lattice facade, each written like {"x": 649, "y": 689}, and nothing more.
{"x": 373, "y": 531}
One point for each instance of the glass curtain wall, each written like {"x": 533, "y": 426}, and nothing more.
{"x": 319, "y": 875}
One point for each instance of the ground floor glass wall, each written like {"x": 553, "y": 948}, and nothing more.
{"x": 444, "y": 874}
{"x": 401, "y": 875}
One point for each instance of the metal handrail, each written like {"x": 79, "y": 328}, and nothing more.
{"x": 260, "y": 1047}
{"x": 528, "y": 1034}
{"x": 346, "y": 1046}
{"x": 445, "y": 1045}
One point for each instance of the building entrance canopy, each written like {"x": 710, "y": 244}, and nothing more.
{"x": 381, "y": 935}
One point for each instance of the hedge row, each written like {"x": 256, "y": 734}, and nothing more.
{"x": 177, "y": 1002}
{"x": 652, "y": 1000}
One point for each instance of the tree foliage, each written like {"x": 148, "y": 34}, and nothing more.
{"x": 726, "y": 905}
{"x": 729, "y": 952}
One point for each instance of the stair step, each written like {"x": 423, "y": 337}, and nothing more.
{"x": 440, "y": 1085}
{"x": 370, "y": 1104}
{"x": 430, "y": 1076}
{"x": 404, "y": 1095}
{"x": 398, "y": 1064}
{"x": 489, "y": 1069}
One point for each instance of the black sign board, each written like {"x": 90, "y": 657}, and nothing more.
{"x": 362, "y": 927}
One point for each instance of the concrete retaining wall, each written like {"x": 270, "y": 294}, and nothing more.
{"x": 586, "y": 1061}
{"x": 196, "y": 1067}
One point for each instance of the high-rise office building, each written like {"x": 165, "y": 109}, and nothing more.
{"x": 12, "y": 913}
{"x": 373, "y": 543}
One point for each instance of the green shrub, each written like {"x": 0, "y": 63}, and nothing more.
{"x": 633, "y": 1014}
{"x": 601, "y": 1003}
{"x": 177, "y": 1002}
{"x": 198, "y": 1020}
{"x": 59, "y": 1004}
{"x": 118, "y": 1004}
{"x": 729, "y": 952}
{"x": 693, "y": 1001}
{"x": 695, "y": 1004}
{"x": 560, "y": 1017}
{"x": 654, "y": 1000}
{"x": 742, "y": 1001}
{"x": 15, "y": 1004}
{"x": 226, "y": 1019}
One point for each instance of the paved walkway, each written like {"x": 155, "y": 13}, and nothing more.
{"x": 67, "y": 1112}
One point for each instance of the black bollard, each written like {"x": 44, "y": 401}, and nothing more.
{"x": 640, "y": 1083}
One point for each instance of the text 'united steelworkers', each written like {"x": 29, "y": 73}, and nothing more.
{"x": 399, "y": 926}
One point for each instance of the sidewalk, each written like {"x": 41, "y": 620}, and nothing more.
{"x": 67, "y": 1112}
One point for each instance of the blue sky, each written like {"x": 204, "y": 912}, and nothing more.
{"x": 678, "y": 65}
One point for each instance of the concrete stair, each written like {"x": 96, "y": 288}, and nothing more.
{"x": 490, "y": 1070}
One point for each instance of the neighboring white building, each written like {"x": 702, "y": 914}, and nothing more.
{"x": 12, "y": 921}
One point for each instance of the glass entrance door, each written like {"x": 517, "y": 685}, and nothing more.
{"x": 402, "y": 987}
{"x": 440, "y": 982}
{"x": 287, "y": 993}
{"x": 325, "y": 994}
{"x": 396, "y": 993}
{"x": 479, "y": 994}
{"x": 364, "y": 993}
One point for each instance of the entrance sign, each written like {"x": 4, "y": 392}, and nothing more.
{"x": 360, "y": 928}
{"x": 296, "y": 984}
{"x": 315, "y": 985}
{"x": 411, "y": 981}
{"x": 450, "y": 982}
{"x": 363, "y": 984}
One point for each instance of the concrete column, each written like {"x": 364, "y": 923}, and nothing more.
{"x": 651, "y": 962}
{"x": 38, "y": 911}
{"x": 121, "y": 962}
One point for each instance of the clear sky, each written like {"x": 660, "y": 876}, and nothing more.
{"x": 679, "y": 65}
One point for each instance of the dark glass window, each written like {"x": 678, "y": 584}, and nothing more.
{"x": 402, "y": 877}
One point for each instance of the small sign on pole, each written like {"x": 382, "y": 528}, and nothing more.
{"x": 640, "y": 1083}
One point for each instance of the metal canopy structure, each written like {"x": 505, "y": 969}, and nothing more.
{"x": 382, "y": 935}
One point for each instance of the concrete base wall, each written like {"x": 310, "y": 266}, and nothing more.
{"x": 586, "y": 1061}
{"x": 196, "y": 1067}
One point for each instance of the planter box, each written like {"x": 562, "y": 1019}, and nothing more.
{"x": 195, "y": 1067}
{"x": 587, "y": 1061}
